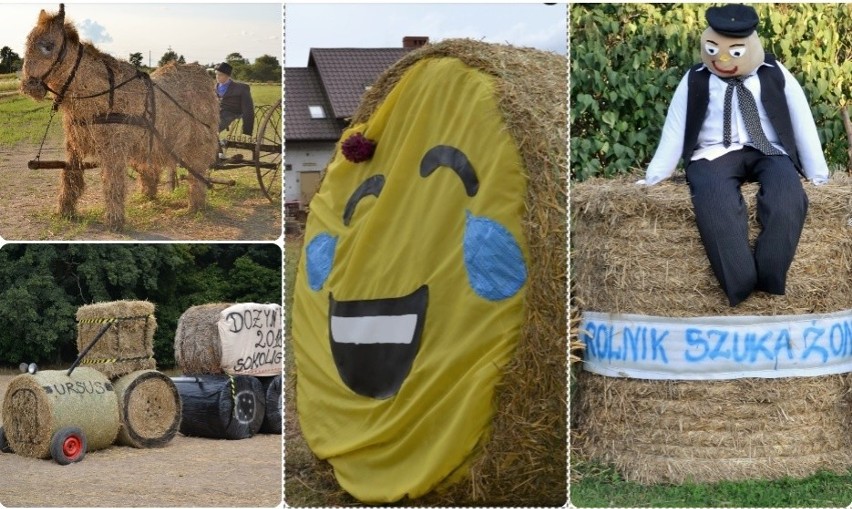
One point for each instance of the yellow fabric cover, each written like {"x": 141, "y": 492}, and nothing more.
{"x": 412, "y": 235}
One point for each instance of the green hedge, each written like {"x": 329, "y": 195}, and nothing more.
{"x": 627, "y": 59}
{"x": 42, "y": 285}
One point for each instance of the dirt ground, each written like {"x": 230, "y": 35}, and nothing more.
{"x": 188, "y": 472}
{"x": 28, "y": 207}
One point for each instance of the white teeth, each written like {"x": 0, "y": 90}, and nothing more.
{"x": 385, "y": 329}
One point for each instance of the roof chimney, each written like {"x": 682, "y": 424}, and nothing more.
{"x": 414, "y": 41}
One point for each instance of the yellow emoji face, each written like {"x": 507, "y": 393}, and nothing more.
{"x": 409, "y": 292}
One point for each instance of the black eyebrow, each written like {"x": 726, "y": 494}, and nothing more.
{"x": 714, "y": 42}
{"x": 737, "y": 45}
{"x": 370, "y": 187}
{"x": 453, "y": 158}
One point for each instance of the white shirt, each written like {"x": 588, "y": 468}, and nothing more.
{"x": 710, "y": 145}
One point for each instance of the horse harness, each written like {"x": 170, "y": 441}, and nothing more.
{"x": 147, "y": 120}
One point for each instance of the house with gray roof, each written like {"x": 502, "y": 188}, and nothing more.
{"x": 319, "y": 101}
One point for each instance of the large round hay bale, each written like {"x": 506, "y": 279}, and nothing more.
{"x": 37, "y": 406}
{"x": 221, "y": 406}
{"x": 149, "y": 405}
{"x": 127, "y": 345}
{"x": 636, "y": 250}
{"x": 198, "y": 350}
{"x": 656, "y": 431}
{"x": 236, "y": 339}
{"x": 467, "y": 426}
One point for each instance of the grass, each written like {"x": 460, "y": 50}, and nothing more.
{"x": 265, "y": 93}
{"x": 25, "y": 120}
{"x": 594, "y": 485}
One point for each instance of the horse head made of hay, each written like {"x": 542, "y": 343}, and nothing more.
{"x": 49, "y": 56}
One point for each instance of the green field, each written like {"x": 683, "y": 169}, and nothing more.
{"x": 596, "y": 486}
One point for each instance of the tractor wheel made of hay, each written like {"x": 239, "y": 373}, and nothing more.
{"x": 68, "y": 445}
{"x": 4, "y": 444}
{"x": 221, "y": 406}
{"x": 267, "y": 153}
{"x": 272, "y": 421}
{"x": 149, "y": 405}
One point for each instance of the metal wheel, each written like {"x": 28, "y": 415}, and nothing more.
{"x": 68, "y": 445}
{"x": 267, "y": 154}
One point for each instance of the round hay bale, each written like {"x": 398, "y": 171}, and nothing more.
{"x": 149, "y": 405}
{"x": 656, "y": 431}
{"x": 234, "y": 339}
{"x": 636, "y": 250}
{"x": 128, "y": 344}
{"x": 37, "y": 406}
{"x": 198, "y": 350}
{"x": 516, "y": 398}
{"x": 218, "y": 406}
{"x": 272, "y": 422}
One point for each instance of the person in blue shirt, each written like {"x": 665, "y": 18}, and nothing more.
{"x": 234, "y": 100}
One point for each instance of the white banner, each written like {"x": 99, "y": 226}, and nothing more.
{"x": 717, "y": 347}
{"x": 251, "y": 339}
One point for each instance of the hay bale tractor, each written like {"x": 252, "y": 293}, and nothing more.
{"x": 230, "y": 355}
{"x": 64, "y": 414}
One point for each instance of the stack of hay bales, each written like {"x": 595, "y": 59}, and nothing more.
{"x": 521, "y": 457}
{"x": 637, "y": 250}
{"x": 148, "y": 401}
{"x": 231, "y": 355}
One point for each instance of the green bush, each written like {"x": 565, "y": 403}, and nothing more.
{"x": 627, "y": 59}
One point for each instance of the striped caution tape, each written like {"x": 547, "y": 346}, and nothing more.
{"x": 114, "y": 319}
{"x": 108, "y": 361}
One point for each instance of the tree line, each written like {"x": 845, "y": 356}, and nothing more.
{"x": 42, "y": 285}
{"x": 265, "y": 68}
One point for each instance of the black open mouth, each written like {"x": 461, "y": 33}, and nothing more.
{"x": 374, "y": 342}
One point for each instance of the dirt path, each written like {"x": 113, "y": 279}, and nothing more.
{"x": 188, "y": 472}
{"x": 28, "y": 204}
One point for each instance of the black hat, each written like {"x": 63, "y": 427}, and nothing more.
{"x": 225, "y": 68}
{"x": 732, "y": 20}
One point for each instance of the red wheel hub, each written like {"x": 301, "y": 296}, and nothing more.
{"x": 72, "y": 446}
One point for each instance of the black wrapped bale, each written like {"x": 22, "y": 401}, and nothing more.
{"x": 272, "y": 388}
{"x": 221, "y": 406}
{"x": 149, "y": 405}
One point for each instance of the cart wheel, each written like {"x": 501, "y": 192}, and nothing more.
{"x": 68, "y": 445}
{"x": 267, "y": 154}
{"x": 4, "y": 444}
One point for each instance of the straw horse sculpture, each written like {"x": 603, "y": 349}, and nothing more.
{"x": 120, "y": 116}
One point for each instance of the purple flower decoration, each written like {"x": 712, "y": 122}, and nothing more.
{"x": 357, "y": 148}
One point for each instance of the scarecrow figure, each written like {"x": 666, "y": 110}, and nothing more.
{"x": 740, "y": 116}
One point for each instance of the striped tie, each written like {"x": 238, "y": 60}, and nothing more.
{"x": 748, "y": 108}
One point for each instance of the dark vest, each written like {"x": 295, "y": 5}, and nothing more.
{"x": 771, "y": 95}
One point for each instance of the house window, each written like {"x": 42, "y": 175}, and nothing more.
{"x": 317, "y": 111}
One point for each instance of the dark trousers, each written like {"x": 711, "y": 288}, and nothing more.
{"x": 722, "y": 218}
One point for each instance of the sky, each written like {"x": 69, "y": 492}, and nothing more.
{"x": 205, "y": 33}
{"x": 314, "y": 25}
